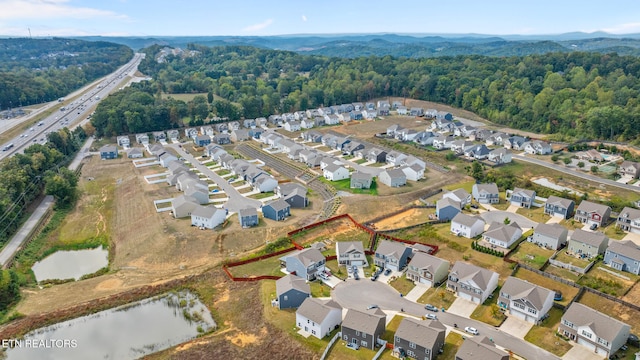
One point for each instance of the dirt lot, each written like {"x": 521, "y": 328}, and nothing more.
{"x": 405, "y": 218}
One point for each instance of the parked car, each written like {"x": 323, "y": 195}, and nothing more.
{"x": 353, "y": 346}
{"x": 471, "y": 330}
{"x": 431, "y": 308}
{"x": 593, "y": 226}
{"x": 355, "y": 275}
{"x": 374, "y": 277}
{"x": 372, "y": 306}
{"x": 557, "y": 296}
{"x": 431, "y": 317}
{"x": 387, "y": 272}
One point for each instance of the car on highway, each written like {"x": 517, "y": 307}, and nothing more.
{"x": 431, "y": 317}
{"x": 471, "y": 330}
{"x": 431, "y": 308}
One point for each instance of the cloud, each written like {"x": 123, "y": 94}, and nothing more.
{"x": 50, "y": 9}
{"x": 259, "y": 26}
{"x": 627, "y": 28}
{"x": 304, "y": 17}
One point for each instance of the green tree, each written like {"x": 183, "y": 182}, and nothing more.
{"x": 9, "y": 289}
{"x": 62, "y": 185}
{"x": 581, "y": 164}
{"x": 507, "y": 221}
{"x": 566, "y": 160}
{"x": 594, "y": 169}
{"x": 477, "y": 171}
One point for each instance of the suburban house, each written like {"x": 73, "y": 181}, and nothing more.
{"x": 480, "y": 348}
{"x": 420, "y": 340}
{"x": 478, "y": 152}
{"x": 305, "y": 263}
{"x": 292, "y": 126}
{"x": 416, "y": 111}
{"x": 108, "y": 152}
{"x": 447, "y": 209}
{"x": 319, "y": 317}
{"x": 500, "y": 156}
{"x": 392, "y": 255}
{"x": 351, "y": 253}
{"x": 559, "y": 207}
{"x": 464, "y": 131}
{"x": 537, "y": 147}
{"x": 363, "y": 328}
{"x": 627, "y": 168}
{"x": 294, "y": 194}
{"x": 376, "y": 155}
{"x": 239, "y": 135}
{"x": 206, "y": 130}
{"x": 207, "y": 217}
{"x": 427, "y": 269}
{"x": 592, "y": 155}
{"x": 335, "y": 172}
{"x": 623, "y": 255}
{"x": 522, "y": 197}
{"x": 222, "y": 139}
{"x": 182, "y": 206}
{"x": 594, "y": 330}
{"x": 255, "y": 133}
{"x": 591, "y": 213}
{"x": 413, "y": 172}
{"x": 459, "y": 195}
{"x": 486, "y": 193}
{"x": 248, "y": 217}
{"x": 502, "y": 235}
{"x": 159, "y": 135}
{"x": 233, "y": 125}
{"x": 123, "y": 141}
{"x": 291, "y": 291}
{"x": 551, "y": 236}
{"x": 393, "y": 177}
{"x": 166, "y": 159}
{"x": 312, "y": 136}
{"x": 514, "y": 142}
{"x": 277, "y": 210}
{"x": 525, "y": 300}
{"x": 249, "y": 123}
{"x": 459, "y": 146}
{"x": 135, "y": 153}
{"x": 587, "y": 244}
{"x": 202, "y": 140}
{"x": 395, "y": 158}
{"x": 472, "y": 282}
{"x": 360, "y": 180}
{"x": 351, "y": 147}
{"x": 496, "y": 139}
{"x": 191, "y": 132}
{"x": 629, "y": 220}
{"x": 467, "y": 225}
{"x": 142, "y": 138}
{"x": 173, "y": 134}
{"x": 264, "y": 183}
{"x": 221, "y": 127}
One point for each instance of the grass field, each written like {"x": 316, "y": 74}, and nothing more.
{"x": 183, "y": 97}
{"x": 544, "y": 335}
{"x": 570, "y": 259}
{"x": 489, "y": 312}
{"x": 391, "y": 328}
{"x": 531, "y": 254}
{"x": 568, "y": 291}
{"x": 602, "y": 278}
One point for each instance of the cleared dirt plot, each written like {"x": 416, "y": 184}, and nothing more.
{"x": 615, "y": 310}
{"x": 633, "y": 295}
{"x": 339, "y": 230}
{"x": 369, "y": 128}
{"x": 405, "y": 218}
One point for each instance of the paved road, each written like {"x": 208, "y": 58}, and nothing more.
{"x": 359, "y": 294}
{"x": 236, "y": 200}
{"x": 576, "y": 173}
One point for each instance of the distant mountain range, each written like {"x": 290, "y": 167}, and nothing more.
{"x": 405, "y": 45}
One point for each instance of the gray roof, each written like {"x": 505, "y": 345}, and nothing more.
{"x": 551, "y": 230}
{"x": 474, "y": 348}
{"x": 524, "y": 192}
{"x": 288, "y": 188}
{"x": 460, "y": 193}
{"x": 361, "y": 176}
{"x": 248, "y": 212}
{"x": 589, "y": 207}
{"x": 183, "y": 200}
{"x": 558, "y": 201}
{"x": 396, "y": 174}
{"x": 278, "y": 204}
{"x": 317, "y": 310}
{"x": 309, "y": 256}
{"x": 588, "y": 237}
{"x": 603, "y": 326}
{"x": 386, "y": 247}
{"x": 472, "y": 275}
{"x": 443, "y": 203}
{"x": 519, "y": 289}
{"x": 366, "y": 322}
{"x": 426, "y": 261}
{"x": 625, "y": 247}
{"x": 422, "y": 333}
{"x": 490, "y": 188}
{"x": 502, "y": 232}
{"x": 332, "y": 167}
{"x": 109, "y": 148}
{"x": 629, "y": 212}
{"x": 343, "y": 247}
{"x": 205, "y": 211}
{"x": 289, "y": 282}
{"x": 466, "y": 220}
{"x": 135, "y": 151}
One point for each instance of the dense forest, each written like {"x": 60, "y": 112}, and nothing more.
{"x": 578, "y": 95}
{"x": 38, "y": 70}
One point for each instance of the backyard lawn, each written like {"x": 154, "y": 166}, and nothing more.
{"x": 608, "y": 280}
{"x": 534, "y": 214}
{"x": 563, "y": 273}
{"x": 391, "y": 328}
{"x": 570, "y": 259}
{"x": 345, "y": 185}
{"x": 544, "y": 335}
{"x": 531, "y": 254}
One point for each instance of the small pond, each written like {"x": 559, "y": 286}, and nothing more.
{"x": 127, "y": 332}
{"x": 63, "y": 265}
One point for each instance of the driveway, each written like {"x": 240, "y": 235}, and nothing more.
{"x": 499, "y": 216}
{"x": 516, "y": 327}
{"x": 417, "y": 292}
{"x": 579, "y": 352}
{"x": 554, "y": 220}
{"x": 633, "y": 237}
{"x": 462, "y": 307}
{"x": 513, "y": 208}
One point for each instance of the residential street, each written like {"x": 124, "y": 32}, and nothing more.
{"x": 362, "y": 293}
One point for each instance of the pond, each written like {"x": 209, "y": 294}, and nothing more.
{"x": 127, "y": 332}
{"x": 63, "y": 265}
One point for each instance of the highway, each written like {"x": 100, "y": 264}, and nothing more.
{"x": 77, "y": 110}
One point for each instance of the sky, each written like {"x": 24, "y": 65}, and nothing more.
{"x": 285, "y": 17}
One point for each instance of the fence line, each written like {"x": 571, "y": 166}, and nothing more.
{"x": 330, "y": 345}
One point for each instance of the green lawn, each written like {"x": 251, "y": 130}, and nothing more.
{"x": 402, "y": 284}
{"x": 183, "y": 97}
{"x": 270, "y": 266}
{"x": 438, "y": 297}
{"x": 360, "y": 161}
{"x": 223, "y": 172}
{"x": 261, "y": 195}
{"x": 338, "y": 271}
{"x": 391, "y": 328}
{"x": 489, "y": 312}
{"x": 345, "y": 185}
{"x": 544, "y": 335}
{"x": 531, "y": 254}
{"x": 319, "y": 289}
{"x": 452, "y": 343}
{"x": 534, "y": 214}
{"x": 466, "y": 185}
{"x": 614, "y": 232}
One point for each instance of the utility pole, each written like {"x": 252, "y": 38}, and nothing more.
{"x": 29, "y": 33}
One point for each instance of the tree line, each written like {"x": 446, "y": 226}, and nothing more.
{"x": 574, "y": 95}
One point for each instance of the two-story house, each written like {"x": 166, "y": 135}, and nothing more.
{"x": 277, "y": 210}
{"x": 467, "y": 225}
{"x": 351, "y": 253}
{"x": 525, "y": 300}
{"x": 391, "y": 255}
{"x": 587, "y": 244}
{"x": 551, "y": 236}
{"x": 291, "y": 291}
{"x": 522, "y": 197}
{"x": 594, "y": 330}
{"x": 363, "y": 328}
{"x": 460, "y": 195}
{"x": 623, "y": 255}
{"x": 559, "y": 207}
{"x": 393, "y": 177}
{"x": 447, "y": 209}
{"x": 591, "y": 213}
{"x": 500, "y": 156}
{"x": 629, "y": 168}
{"x": 486, "y": 193}
{"x": 427, "y": 269}
{"x": 629, "y": 220}
{"x": 502, "y": 235}
{"x": 305, "y": 263}
{"x": 480, "y": 348}
{"x": 360, "y": 180}
{"x": 318, "y": 317}
{"x": 248, "y": 217}
{"x": 420, "y": 340}
{"x": 471, "y": 282}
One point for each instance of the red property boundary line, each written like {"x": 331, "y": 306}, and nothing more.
{"x": 296, "y": 246}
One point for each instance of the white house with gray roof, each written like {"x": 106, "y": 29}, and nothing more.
{"x": 525, "y": 300}
{"x": 318, "y": 317}
{"x": 502, "y": 235}
{"x": 305, "y": 263}
{"x": 333, "y": 172}
{"x": 629, "y": 220}
{"x": 500, "y": 156}
{"x": 459, "y": 195}
{"x": 351, "y": 253}
{"x": 207, "y": 217}
{"x": 360, "y": 180}
{"x": 291, "y": 291}
{"x": 594, "y": 330}
{"x": 486, "y": 193}
{"x": 471, "y": 282}
{"x": 467, "y": 225}
{"x": 393, "y": 178}
{"x": 413, "y": 172}
{"x": 551, "y": 236}
{"x": 427, "y": 269}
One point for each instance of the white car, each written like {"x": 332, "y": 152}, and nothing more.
{"x": 471, "y": 330}
{"x": 431, "y": 317}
